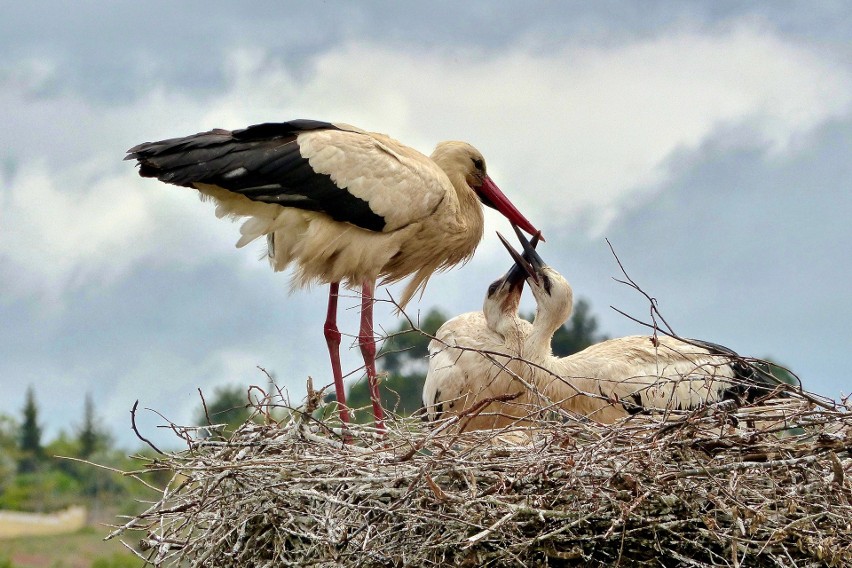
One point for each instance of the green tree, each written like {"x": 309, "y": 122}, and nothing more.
{"x": 8, "y": 433}
{"x": 47, "y": 489}
{"x": 91, "y": 437}
{"x": 777, "y": 370}
{"x": 29, "y": 440}
{"x": 8, "y": 452}
{"x": 406, "y": 348}
{"x": 228, "y": 407}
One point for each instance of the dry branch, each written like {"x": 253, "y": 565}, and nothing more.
{"x": 765, "y": 484}
{"x": 637, "y": 493}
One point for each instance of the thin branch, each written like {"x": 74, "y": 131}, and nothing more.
{"x": 136, "y": 431}
{"x": 654, "y": 312}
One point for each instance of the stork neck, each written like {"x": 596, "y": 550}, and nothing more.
{"x": 512, "y": 329}
{"x": 454, "y": 160}
{"x": 538, "y": 344}
{"x": 470, "y": 206}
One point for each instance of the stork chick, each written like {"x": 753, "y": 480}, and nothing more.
{"x": 612, "y": 379}
{"x": 469, "y": 356}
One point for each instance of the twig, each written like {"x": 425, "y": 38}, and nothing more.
{"x": 654, "y": 312}
{"x": 136, "y": 431}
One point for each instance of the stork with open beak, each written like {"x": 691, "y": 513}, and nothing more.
{"x": 342, "y": 205}
{"x": 618, "y": 377}
{"x": 469, "y": 356}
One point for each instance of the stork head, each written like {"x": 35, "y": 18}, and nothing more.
{"x": 501, "y": 302}
{"x": 553, "y": 294}
{"x": 504, "y": 294}
{"x": 461, "y": 158}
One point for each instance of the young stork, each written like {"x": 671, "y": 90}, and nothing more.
{"x": 470, "y": 354}
{"x": 617, "y": 377}
{"x": 342, "y": 204}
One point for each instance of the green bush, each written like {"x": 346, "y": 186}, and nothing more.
{"x": 117, "y": 560}
{"x": 41, "y": 491}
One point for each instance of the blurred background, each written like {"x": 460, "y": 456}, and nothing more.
{"x": 708, "y": 141}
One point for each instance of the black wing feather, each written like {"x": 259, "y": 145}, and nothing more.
{"x": 752, "y": 382}
{"x": 261, "y": 162}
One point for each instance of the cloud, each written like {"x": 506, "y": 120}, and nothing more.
{"x": 53, "y": 239}
{"x": 574, "y": 134}
{"x": 570, "y": 131}
{"x": 84, "y": 228}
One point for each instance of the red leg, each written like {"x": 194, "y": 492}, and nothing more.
{"x": 367, "y": 341}
{"x": 332, "y": 338}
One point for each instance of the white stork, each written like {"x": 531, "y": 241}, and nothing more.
{"x": 469, "y": 357}
{"x": 617, "y": 377}
{"x": 342, "y": 204}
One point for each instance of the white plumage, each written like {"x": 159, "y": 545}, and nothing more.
{"x": 618, "y": 377}
{"x": 469, "y": 356}
{"x": 605, "y": 382}
{"x": 341, "y": 204}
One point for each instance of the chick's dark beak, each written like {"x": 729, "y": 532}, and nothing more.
{"x": 530, "y": 255}
{"x": 522, "y": 269}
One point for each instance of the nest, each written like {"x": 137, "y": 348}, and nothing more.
{"x": 762, "y": 485}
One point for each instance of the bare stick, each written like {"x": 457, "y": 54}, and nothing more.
{"x": 136, "y": 431}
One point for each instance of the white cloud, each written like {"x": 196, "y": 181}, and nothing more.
{"x": 581, "y": 129}
{"x": 578, "y": 129}
{"x": 83, "y": 228}
{"x": 54, "y": 237}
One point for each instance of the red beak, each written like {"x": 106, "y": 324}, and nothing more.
{"x": 491, "y": 196}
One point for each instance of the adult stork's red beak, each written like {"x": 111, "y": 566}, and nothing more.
{"x": 491, "y": 196}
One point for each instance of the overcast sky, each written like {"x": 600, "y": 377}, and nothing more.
{"x": 709, "y": 141}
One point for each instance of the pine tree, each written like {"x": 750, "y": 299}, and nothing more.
{"x": 29, "y": 441}
{"x": 89, "y": 436}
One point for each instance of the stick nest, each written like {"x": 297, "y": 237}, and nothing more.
{"x": 765, "y": 485}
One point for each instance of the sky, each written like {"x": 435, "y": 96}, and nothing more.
{"x": 709, "y": 142}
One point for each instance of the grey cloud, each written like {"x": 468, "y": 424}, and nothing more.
{"x": 108, "y": 50}
{"x": 741, "y": 247}
{"x": 744, "y": 249}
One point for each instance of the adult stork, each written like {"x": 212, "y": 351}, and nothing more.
{"x": 469, "y": 355}
{"x": 342, "y": 205}
{"x": 612, "y": 379}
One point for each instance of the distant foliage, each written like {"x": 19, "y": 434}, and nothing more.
{"x": 404, "y": 358}
{"x": 30, "y": 436}
{"x": 91, "y": 436}
{"x": 777, "y": 370}
{"x": 42, "y": 491}
{"x": 8, "y": 451}
{"x": 228, "y": 406}
{"x": 34, "y": 476}
{"x": 406, "y": 348}
{"x": 117, "y": 560}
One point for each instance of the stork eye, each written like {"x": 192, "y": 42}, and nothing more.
{"x": 493, "y": 288}
{"x": 479, "y": 164}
